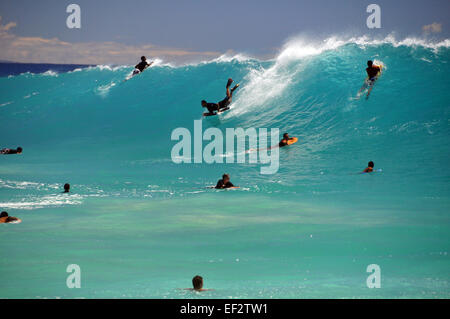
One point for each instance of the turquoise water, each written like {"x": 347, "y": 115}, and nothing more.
{"x": 142, "y": 226}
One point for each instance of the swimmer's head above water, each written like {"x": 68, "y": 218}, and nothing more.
{"x": 66, "y": 188}
{"x": 197, "y": 282}
{"x": 6, "y": 219}
{"x": 369, "y": 168}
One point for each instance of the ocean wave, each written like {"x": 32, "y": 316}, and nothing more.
{"x": 296, "y": 48}
{"x": 50, "y": 73}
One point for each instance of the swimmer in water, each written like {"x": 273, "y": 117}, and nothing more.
{"x": 222, "y": 105}
{"x": 66, "y": 188}
{"x": 284, "y": 140}
{"x": 369, "y": 168}
{"x": 224, "y": 182}
{"x": 9, "y": 151}
{"x": 372, "y": 70}
{"x": 197, "y": 283}
{"x": 5, "y": 218}
{"x": 372, "y": 75}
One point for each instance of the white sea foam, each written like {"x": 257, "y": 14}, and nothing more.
{"x": 161, "y": 63}
{"x": 103, "y": 90}
{"x": 226, "y": 58}
{"x": 27, "y": 185}
{"x": 34, "y": 202}
{"x": 103, "y": 67}
{"x": 300, "y": 47}
{"x": 50, "y": 73}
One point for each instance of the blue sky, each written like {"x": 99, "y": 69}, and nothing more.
{"x": 177, "y": 29}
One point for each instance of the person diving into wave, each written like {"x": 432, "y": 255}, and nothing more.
{"x": 214, "y": 108}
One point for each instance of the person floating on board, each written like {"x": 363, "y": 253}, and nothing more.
{"x": 5, "y": 218}
{"x": 9, "y": 151}
{"x": 222, "y": 105}
{"x": 285, "y": 139}
{"x": 224, "y": 182}
{"x": 141, "y": 66}
{"x": 372, "y": 74}
{"x": 66, "y": 188}
{"x": 369, "y": 168}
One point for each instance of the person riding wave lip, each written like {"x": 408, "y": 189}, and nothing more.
{"x": 141, "y": 66}
{"x": 216, "y": 107}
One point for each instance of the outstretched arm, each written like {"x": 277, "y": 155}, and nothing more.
{"x": 148, "y": 65}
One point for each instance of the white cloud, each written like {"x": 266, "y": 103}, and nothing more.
{"x": 432, "y": 28}
{"x": 44, "y": 50}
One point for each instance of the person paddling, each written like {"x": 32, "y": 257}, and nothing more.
{"x": 141, "y": 66}
{"x": 224, "y": 182}
{"x": 373, "y": 72}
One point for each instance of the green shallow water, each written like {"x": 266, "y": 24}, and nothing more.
{"x": 270, "y": 249}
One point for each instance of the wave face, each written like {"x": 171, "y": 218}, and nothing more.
{"x": 112, "y": 141}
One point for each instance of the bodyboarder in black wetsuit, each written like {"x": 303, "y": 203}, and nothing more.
{"x": 222, "y": 105}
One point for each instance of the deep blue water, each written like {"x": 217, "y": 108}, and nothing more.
{"x": 7, "y": 69}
